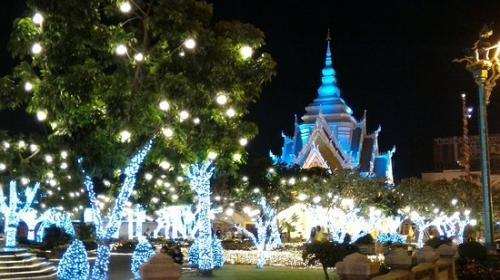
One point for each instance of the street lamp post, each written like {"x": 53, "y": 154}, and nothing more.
{"x": 485, "y": 65}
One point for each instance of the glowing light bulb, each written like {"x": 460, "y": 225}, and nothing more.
{"x": 41, "y": 115}
{"x": 49, "y": 159}
{"x": 231, "y": 112}
{"x": 121, "y": 49}
{"x": 316, "y": 199}
{"x": 183, "y": 115}
{"x": 125, "y": 136}
{"x": 190, "y": 43}
{"x": 212, "y": 155}
{"x": 182, "y": 54}
{"x": 164, "y": 105}
{"x": 302, "y": 197}
{"x": 196, "y": 120}
{"x": 21, "y": 144}
{"x": 64, "y": 154}
{"x": 244, "y": 178}
{"x": 64, "y": 165}
{"x": 454, "y": 202}
{"x": 36, "y": 48}
{"x": 221, "y": 99}
{"x": 237, "y": 157}
{"x": 167, "y": 132}
{"x": 3, "y": 166}
{"x": 229, "y": 211}
{"x": 164, "y": 165}
{"x": 33, "y": 148}
{"x": 37, "y": 19}
{"x": 125, "y": 7}
{"x": 243, "y": 141}
{"x": 24, "y": 181}
{"x": 246, "y": 52}
{"x": 256, "y": 190}
{"x": 148, "y": 176}
{"x": 175, "y": 197}
{"x": 28, "y": 86}
{"x": 139, "y": 57}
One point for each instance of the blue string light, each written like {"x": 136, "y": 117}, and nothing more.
{"x": 74, "y": 264}
{"x": 15, "y": 209}
{"x": 106, "y": 233}
{"x": 56, "y": 217}
{"x": 264, "y": 241}
{"x": 218, "y": 253}
{"x": 199, "y": 179}
{"x": 194, "y": 254}
{"x": 142, "y": 253}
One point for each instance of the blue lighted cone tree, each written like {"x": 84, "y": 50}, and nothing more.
{"x": 142, "y": 253}
{"x": 218, "y": 252}
{"x": 74, "y": 264}
{"x": 14, "y": 209}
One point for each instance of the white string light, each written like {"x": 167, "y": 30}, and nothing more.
{"x": 37, "y": 19}
{"x": 121, "y": 49}
{"x": 190, "y": 43}
{"x": 125, "y": 7}
{"x": 36, "y": 48}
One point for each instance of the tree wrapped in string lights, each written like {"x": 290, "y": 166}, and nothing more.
{"x": 105, "y": 232}
{"x": 268, "y": 236}
{"x": 74, "y": 264}
{"x": 13, "y": 210}
{"x": 199, "y": 179}
{"x": 142, "y": 253}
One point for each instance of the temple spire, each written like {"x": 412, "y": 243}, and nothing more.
{"x": 328, "y": 88}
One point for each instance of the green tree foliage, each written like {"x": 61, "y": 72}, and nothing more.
{"x": 92, "y": 95}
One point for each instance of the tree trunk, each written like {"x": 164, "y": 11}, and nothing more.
{"x": 261, "y": 258}
{"x": 325, "y": 270}
{"x": 10, "y": 232}
{"x": 101, "y": 266}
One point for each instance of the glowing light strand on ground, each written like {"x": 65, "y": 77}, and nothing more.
{"x": 105, "y": 234}
{"x": 199, "y": 180}
{"x": 264, "y": 242}
{"x": 74, "y": 264}
{"x": 13, "y": 211}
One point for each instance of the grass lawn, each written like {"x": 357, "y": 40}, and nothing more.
{"x": 248, "y": 272}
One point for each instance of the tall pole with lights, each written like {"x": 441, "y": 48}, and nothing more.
{"x": 466, "y": 114}
{"x": 485, "y": 67}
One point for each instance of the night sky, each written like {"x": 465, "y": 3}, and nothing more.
{"x": 393, "y": 58}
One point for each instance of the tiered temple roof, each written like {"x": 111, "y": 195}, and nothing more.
{"x": 330, "y": 137}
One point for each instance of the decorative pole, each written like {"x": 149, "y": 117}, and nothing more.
{"x": 485, "y": 67}
{"x": 466, "y": 146}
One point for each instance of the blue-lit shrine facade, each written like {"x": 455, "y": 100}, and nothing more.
{"x": 330, "y": 137}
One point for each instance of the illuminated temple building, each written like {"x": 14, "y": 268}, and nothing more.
{"x": 330, "y": 137}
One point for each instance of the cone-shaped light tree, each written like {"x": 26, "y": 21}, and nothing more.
{"x": 105, "y": 76}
